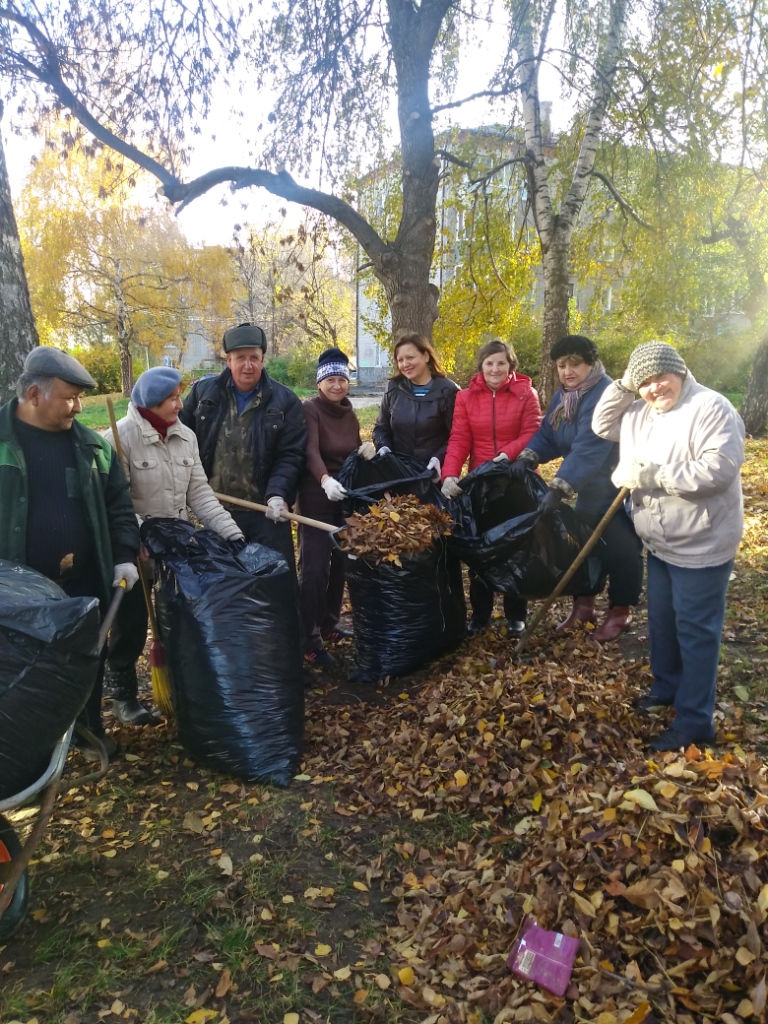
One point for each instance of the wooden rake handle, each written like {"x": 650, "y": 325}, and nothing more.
{"x": 293, "y": 516}
{"x": 578, "y": 560}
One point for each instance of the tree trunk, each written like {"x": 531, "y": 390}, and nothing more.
{"x": 18, "y": 334}
{"x": 754, "y": 408}
{"x": 556, "y": 300}
{"x": 123, "y": 338}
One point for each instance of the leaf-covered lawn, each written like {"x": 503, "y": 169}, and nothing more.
{"x": 388, "y": 883}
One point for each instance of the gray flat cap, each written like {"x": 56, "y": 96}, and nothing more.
{"x": 54, "y": 362}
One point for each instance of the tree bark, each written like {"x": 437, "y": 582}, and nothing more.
{"x": 754, "y": 408}
{"x": 123, "y": 336}
{"x": 18, "y": 334}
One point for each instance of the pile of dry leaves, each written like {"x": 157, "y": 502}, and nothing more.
{"x": 394, "y": 527}
{"x": 660, "y": 867}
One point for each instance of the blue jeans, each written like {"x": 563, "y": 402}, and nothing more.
{"x": 686, "y": 609}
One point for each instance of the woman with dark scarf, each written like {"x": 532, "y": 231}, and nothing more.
{"x": 588, "y": 461}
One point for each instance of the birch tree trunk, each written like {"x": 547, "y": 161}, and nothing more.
{"x": 754, "y": 408}
{"x": 18, "y": 334}
{"x": 123, "y": 334}
{"x": 555, "y": 229}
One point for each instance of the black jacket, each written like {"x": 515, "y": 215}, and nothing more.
{"x": 416, "y": 426}
{"x": 280, "y": 431}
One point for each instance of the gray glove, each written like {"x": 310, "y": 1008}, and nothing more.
{"x": 275, "y": 508}
{"x": 642, "y": 476}
{"x": 434, "y": 465}
{"x": 451, "y": 487}
{"x": 530, "y": 456}
{"x": 384, "y": 450}
{"x": 125, "y": 571}
{"x": 366, "y": 451}
{"x": 333, "y": 489}
{"x": 502, "y": 457}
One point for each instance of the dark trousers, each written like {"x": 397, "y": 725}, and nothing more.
{"x": 624, "y": 558}
{"x": 127, "y": 639}
{"x": 321, "y": 585}
{"x": 260, "y": 530}
{"x": 686, "y": 610}
{"x": 481, "y": 600}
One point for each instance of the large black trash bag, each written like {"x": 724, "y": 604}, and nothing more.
{"x": 404, "y": 616}
{"x": 366, "y": 480}
{"x": 231, "y": 630}
{"x": 514, "y": 548}
{"x": 48, "y": 665}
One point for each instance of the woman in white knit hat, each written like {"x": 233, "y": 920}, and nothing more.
{"x": 681, "y": 450}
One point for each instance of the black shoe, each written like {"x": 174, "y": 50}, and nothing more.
{"x": 649, "y": 705}
{"x": 515, "y": 627}
{"x": 120, "y": 683}
{"x": 132, "y": 712}
{"x": 319, "y": 659}
{"x": 91, "y": 753}
{"x": 674, "y": 739}
{"x": 475, "y": 626}
{"x": 334, "y": 635}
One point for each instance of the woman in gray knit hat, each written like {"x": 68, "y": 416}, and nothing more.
{"x": 681, "y": 447}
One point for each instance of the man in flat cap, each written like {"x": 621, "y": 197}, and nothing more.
{"x": 65, "y": 507}
{"x": 252, "y": 437}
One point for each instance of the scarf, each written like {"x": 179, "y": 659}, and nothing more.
{"x": 566, "y": 408}
{"x": 161, "y": 426}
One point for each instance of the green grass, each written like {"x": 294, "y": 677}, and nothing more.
{"x": 95, "y": 415}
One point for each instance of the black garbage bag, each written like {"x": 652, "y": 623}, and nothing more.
{"x": 231, "y": 630}
{"x": 515, "y": 549}
{"x": 366, "y": 480}
{"x": 48, "y": 665}
{"x": 404, "y": 616}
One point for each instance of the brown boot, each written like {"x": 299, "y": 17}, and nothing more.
{"x": 613, "y": 625}
{"x": 582, "y": 612}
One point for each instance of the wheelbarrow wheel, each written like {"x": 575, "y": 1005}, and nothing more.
{"x": 10, "y": 847}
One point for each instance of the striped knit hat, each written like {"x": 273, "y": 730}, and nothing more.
{"x": 332, "y": 363}
{"x": 651, "y": 359}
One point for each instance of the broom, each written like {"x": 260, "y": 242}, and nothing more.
{"x": 161, "y": 683}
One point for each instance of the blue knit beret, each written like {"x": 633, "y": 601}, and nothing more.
{"x": 154, "y": 386}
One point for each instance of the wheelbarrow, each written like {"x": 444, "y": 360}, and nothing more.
{"x": 15, "y": 857}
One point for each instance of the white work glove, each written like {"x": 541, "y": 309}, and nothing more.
{"x": 383, "y": 450}
{"x": 434, "y": 465}
{"x": 125, "y": 571}
{"x": 502, "y": 457}
{"x": 366, "y": 451}
{"x": 333, "y": 489}
{"x": 640, "y": 476}
{"x": 451, "y": 487}
{"x": 275, "y": 508}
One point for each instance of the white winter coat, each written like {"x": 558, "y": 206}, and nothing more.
{"x": 695, "y": 519}
{"x": 166, "y": 476}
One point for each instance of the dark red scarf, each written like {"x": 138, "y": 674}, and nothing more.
{"x": 161, "y": 426}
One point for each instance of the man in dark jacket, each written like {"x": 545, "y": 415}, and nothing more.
{"x": 65, "y": 507}
{"x": 252, "y": 437}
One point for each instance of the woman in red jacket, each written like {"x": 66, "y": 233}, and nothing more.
{"x": 494, "y": 418}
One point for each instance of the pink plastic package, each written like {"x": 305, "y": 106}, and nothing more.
{"x": 544, "y": 957}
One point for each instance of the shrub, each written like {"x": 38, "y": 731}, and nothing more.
{"x": 103, "y": 364}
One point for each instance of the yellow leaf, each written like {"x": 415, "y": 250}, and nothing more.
{"x": 642, "y": 798}
{"x": 342, "y": 974}
{"x": 201, "y": 1016}
{"x": 393, "y": 515}
{"x": 360, "y": 886}
{"x": 744, "y": 956}
{"x": 606, "y": 1018}
{"x": 718, "y": 70}
{"x": 291, "y": 1018}
{"x": 225, "y": 863}
{"x": 288, "y": 898}
{"x": 584, "y": 905}
{"x": 638, "y": 1015}
{"x": 460, "y": 777}
{"x": 360, "y": 996}
{"x": 667, "y": 789}
{"x": 131, "y": 757}
{"x": 536, "y": 802}
{"x": 382, "y": 981}
{"x": 266, "y": 915}
{"x": 321, "y": 949}
{"x": 103, "y": 943}
{"x": 406, "y": 976}
{"x": 762, "y": 900}
{"x": 109, "y": 853}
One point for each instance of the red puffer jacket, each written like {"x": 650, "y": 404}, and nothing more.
{"x": 487, "y": 423}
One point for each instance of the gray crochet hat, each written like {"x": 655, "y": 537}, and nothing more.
{"x": 154, "y": 386}
{"x": 651, "y": 359}
{"x": 54, "y": 362}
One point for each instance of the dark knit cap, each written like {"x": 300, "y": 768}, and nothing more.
{"x": 650, "y": 360}
{"x": 332, "y": 363}
{"x": 245, "y": 336}
{"x": 574, "y": 345}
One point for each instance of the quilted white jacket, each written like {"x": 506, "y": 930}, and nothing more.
{"x": 695, "y": 519}
{"x": 167, "y": 477}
